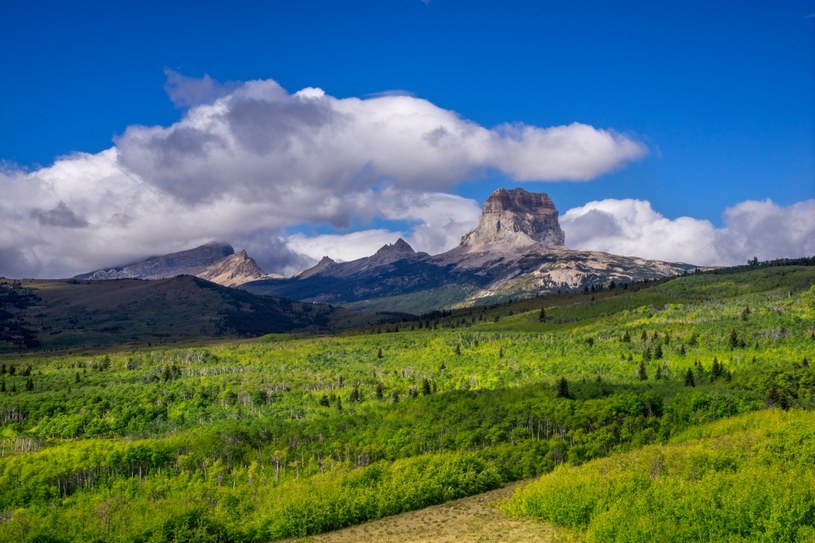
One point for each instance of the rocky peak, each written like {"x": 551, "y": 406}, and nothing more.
{"x": 399, "y": 248}
{"x": 233, "y": 270}
{"x": 319, "y": 268}
{"x": 516, "y": 218}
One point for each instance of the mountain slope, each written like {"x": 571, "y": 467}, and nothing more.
{"x": 190, "y": 262}
{"x": 71, "y": 313}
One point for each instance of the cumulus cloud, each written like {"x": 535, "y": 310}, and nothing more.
{"x": 753, "y": 228}
{"x": 61, "y": 216}
{"x": 248, "y": 161}
{"x": 187, "y": 91}
{"x": 260, "y": 141}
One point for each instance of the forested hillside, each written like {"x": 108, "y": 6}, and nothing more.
{"x": 73, "y": 314}
{"x": 285, "y": 437}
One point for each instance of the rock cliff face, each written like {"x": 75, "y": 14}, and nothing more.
{"x": 516, "y": 218}
{"x": 233, "y": 270}
{"x": 190, "y": 262}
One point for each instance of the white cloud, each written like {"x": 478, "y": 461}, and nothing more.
{"x": 247, "y": 161}
{"x": 342, "y": 247}
{"x": 187, "y": 91}
{"x": 260, "y": 142}
{"x": 438, "y": 220}
{"x": 441, "y": 219}
{"x": 632, "y": 227}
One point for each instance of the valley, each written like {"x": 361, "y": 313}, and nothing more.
{"x": 287, "y": 436}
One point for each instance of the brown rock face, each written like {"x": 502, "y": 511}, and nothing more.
{"x": 516, "y": 218}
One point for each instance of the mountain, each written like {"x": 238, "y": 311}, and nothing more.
{"x": 516, "y": 218}
{"x": 234, "y": 270}
{"x": 190, "y": 262}
{"x": 517, "y": 250}
{"x": 216, "y": 262}
{"x": 66, "y": 314}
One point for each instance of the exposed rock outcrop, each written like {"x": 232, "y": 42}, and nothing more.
{"x": 233, "y": 270}
{"x": 516, "y": 218}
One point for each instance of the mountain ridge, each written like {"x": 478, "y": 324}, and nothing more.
{"x": 215, "y": 261}
{"x": 517, "y": 250}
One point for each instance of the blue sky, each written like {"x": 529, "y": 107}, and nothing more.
{"x": 721, "y": 94}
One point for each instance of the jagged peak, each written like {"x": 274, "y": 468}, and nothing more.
{"x": 399, "y": 247}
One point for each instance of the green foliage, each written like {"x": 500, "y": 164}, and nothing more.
{"x": 287, "y": 436}
{"x": 748, "y": 479}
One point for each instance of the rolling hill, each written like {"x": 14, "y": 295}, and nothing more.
{"x": 60, "y": 314}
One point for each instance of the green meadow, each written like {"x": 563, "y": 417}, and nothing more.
{"x": 669, "y": 411}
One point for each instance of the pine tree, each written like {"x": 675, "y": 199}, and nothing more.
{"x": 626, "y": 337}
{"x": 562, "y": 389}
{"x": 542, "y": 316}
{"x": 380, "y": 391}
{"x": 395, "y": 396}
{"x": 716, "y": 370}
{"x": 658, "y": 351}
{"x": 458, "y": 349}
{"x": 734, "y": 339}
{"x": 354, "y": 396}
{"x": 689, "y": 380}
{"x": 379, "y": 353}
{"x": 426, "y": 387}
{"x": 642, "y": 374}
{"x": 658, "y": 375}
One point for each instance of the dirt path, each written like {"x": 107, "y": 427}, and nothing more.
{"x": 468, "y": 520}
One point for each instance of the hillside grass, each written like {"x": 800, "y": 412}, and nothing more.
{"x": 288, "y": 436}
{"x": 750, "y": 478}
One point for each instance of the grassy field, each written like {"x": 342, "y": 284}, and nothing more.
{"x": 293, "y": 436}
